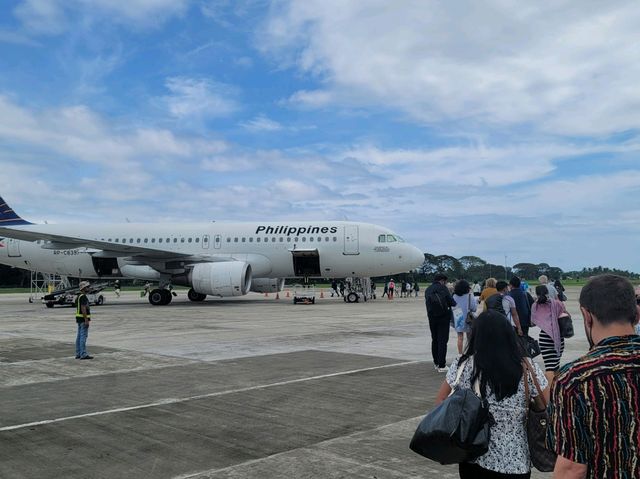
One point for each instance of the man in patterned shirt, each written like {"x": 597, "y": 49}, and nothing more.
{"x": 595, "y": 401}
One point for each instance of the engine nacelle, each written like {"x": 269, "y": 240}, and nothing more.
{"x": 229, "y": 278}
{"x": 267, "y": 285}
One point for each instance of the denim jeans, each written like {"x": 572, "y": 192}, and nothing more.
{"x": 81, "y": 340}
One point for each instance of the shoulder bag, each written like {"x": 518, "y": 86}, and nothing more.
{"x": 458, "y": 429}
{"x": 470, "y": 316}
{"x": 566, "y": 325}
{"x": 536, "y": 423}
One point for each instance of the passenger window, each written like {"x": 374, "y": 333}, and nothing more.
{"x": 190, "y": 240}
{"x": 311, "y": 239}
{"x": 198, "y": 240}
{"x": 335, "y": 238}
{"x": 382, "y": 239}
{"x": 281, "y": 239}
{"x": 304, "y": 239}
{"x": 273, "y": 240}
{"x": 159, "y": 240}
{"x": 130, "y": 240}
{"x": 228, "y": 240}
{"x": 175, "y": 240}
{"x": 266, "y": 240}
{"x": 153, "y": 240}
{"x": 235, "y": 240}
{"x": 258, "y": 239}
{"x": 168, "y": 240}
{"x": 319, "y": 238}
{"x": 181, "y": 240}
{"x": 250, "y": 239}
{"x": 138, "y": 240}
{"x": 326, "y": 239}
{"x": 288, "y": 239}
{"x": 146, "y": 240}
{"x": 244, "y": 239}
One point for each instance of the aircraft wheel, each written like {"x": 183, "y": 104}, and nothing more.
{"x": 352, "y": 298}
{"x": 100, "y": 300}
{"x": 166, "y": 297}
{"x": 195, "y": 296}
{"x": 157, "y": 297}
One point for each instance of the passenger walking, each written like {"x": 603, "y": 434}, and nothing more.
{"x": 494, "y": 359}
{"x": 467, "y": 302}
{"x": 594, "y": 411}
{"x": 501, "y": 302}
{"x": 489, "y": 289}
{"x": 116, "y": 287}
{"x": 416, "y": 288}
{"x": 385, "y": 292}
{"x": 560, "y": 289}
{"x": 438, "y": 302}
{"x": 522, "y": 304}
{"x": 477, "y": 289}
{"x": 83, "y": 318}
{"x": 342, "y": 287}
{"x": 392, "y": 287}
{"x": 334, "y": 288}
{"x": 544, "y": 314}
{"x": 544, "y": 281}
{"x": 403, "y": 289}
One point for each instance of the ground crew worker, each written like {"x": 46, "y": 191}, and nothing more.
{"x": 83, "y": 318}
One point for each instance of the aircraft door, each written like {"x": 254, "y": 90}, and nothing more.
{"x": 13, "y": 250}
{"x": 217, "y": 241}
{"x": 351, "y": 241}
{"x": 205, "y": 242}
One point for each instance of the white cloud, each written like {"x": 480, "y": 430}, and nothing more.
{"x": 82, "y": 135}
{"x": 199, "y": 98}
{"x": 51, "y": 16}
{"x": 564, "y": 67}
{"x": 261, "y": 123}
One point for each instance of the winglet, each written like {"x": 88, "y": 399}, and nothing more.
{"x": 8, "y": 217}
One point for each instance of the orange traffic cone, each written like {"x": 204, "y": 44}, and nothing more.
{"x": 287, "y": 293}
{"x": 277, "y": 295}
{"x": 322, "y": 293}
{"x": 266, "y": 295}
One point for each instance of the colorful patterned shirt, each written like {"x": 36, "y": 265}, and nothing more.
{"x": 595, "y": 410}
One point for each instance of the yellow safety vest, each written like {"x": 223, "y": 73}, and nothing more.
{"x": 79, "y": 314}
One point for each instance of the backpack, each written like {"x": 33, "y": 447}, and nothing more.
{"x": 494, "y": 303}
{"x": 436, "y": 305}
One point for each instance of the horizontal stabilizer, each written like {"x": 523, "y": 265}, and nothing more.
{"x": 8, "y": 217}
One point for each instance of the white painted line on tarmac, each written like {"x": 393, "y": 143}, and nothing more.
{"x": 164, "y": 402}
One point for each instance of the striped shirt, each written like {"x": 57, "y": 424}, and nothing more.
{"x": 595, "y": 410}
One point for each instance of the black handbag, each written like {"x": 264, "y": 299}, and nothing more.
{"x": 566, "y": 326}
{"x": 530, "y": 346}
{"x": 537, "y": 421}
{"x": 457, "y": 430}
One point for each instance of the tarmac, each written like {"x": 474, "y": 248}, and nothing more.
{"x": 250, "y": 387}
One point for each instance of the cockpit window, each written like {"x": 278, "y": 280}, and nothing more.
{"x": 382, "y": 239}
{"x": 391, "y": 238}
{"x": 400, "y": 239}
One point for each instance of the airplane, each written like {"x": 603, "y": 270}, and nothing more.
{"x": 219, "y": 258}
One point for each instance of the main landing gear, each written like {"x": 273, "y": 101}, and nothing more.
{"x": 194, "y": 296}
{"x": 160, "y": 297}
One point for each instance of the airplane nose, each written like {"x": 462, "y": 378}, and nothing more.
{"x": 415, "y": 257}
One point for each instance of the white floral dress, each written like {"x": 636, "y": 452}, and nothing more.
{"x": 508, "y": 447}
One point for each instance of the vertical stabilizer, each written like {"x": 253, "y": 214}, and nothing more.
{"x": 8, "y": 217}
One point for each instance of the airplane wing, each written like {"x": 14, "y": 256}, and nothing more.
{"x": 108, "y": 249}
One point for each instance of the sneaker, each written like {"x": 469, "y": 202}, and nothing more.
{"x": 86, "y": 357}
{"x": 443, "y": 370}
{"x": 77, "y": 357}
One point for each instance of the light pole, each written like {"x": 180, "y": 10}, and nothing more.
{"x": 505, "y": 267}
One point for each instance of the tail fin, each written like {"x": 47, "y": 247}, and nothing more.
{"x": 8, "y": 217}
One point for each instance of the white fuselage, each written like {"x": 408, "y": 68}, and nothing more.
{"x": 342, "y": 248}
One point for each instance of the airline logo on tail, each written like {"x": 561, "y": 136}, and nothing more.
{"x": 8, "y": 217}
{"x": 1, "y": 245}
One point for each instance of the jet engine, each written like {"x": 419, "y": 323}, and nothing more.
{"x": 267, "y": 285}
{"x": 230, "y": 278}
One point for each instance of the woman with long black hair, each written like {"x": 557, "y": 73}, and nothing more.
{"x": 544, "y": 314}
{"x": 494, "y": 359}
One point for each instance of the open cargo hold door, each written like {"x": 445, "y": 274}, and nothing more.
{"x": 106, "y": 266}
{"x": 13, "y": 248}
{"x": 306, "y": 262}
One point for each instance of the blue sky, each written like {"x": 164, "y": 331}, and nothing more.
{"x": 470, "y": 129}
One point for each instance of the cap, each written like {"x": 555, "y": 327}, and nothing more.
{"x": 84, "y": 285}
